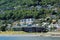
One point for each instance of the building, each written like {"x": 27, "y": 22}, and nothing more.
{"x": 27, "y": 25}
{"x": 26, "y": 22}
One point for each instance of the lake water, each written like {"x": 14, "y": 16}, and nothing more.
{"x": 28, "y": 38}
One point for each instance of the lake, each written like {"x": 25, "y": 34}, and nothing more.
{"x": 28, "y": 38}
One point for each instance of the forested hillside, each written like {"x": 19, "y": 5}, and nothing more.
{"x": 18, "y": 9}
{"x": 14, "y": 10}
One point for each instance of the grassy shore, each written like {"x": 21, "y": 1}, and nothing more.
{"x": 21, "y": 33}
{"x": 13, "y": 32}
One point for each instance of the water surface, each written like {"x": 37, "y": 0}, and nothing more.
{"x": 28, "y": 38}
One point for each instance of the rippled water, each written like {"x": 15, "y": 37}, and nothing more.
{"x": 28, "y": 38}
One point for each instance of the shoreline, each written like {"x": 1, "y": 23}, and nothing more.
{"x": 12, "y": 34}
{"x": 29, "y": 35}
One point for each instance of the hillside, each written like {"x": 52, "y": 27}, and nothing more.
{"x": 14, "y": 10}
{"x": 18, "y": 9}
{"x": 10, "y": 4}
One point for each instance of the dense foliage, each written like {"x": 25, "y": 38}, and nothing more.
{"x": 18, "y": 9}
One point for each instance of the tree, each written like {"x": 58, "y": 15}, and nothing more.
{"x": 3, "y": 26}
{"x": 53, "y": 28}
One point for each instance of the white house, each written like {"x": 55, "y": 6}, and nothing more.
{"x": 27, "y": 21}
